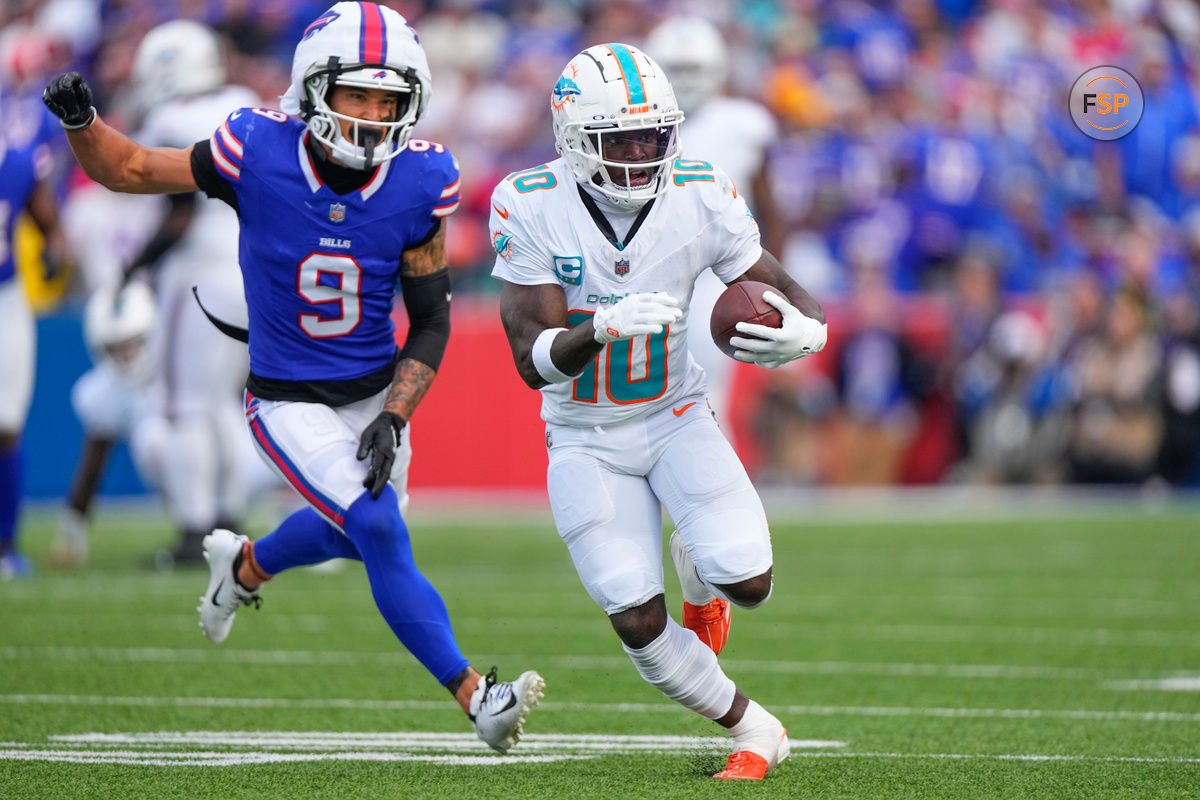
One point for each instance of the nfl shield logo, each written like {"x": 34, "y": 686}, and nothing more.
{"x": 622, "y": 266}
{"x": 337, "y": 212}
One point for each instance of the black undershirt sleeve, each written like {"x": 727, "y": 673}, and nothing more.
{"x": 427, "y": 299}
{"x": 210, "y": 181}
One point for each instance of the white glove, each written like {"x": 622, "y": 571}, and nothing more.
{"x": 798, "y": 336}
{"x": 634, "y": 315}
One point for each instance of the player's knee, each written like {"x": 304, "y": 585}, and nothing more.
{"x": 749, "y": 593}
{"x": 641, "y": 625}
{"x": 374, "y": 520}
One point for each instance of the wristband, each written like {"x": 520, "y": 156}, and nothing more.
{"x": 80, "y": 126}
{"x": 541, "y": 357}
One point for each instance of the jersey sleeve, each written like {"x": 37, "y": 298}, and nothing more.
{"x": 227, "y": 143}
{"x": 519, "y": 259}
{"x": 448, "y": 185}
{"x": 733, "y": 236}
{"x": 217, "y": 162}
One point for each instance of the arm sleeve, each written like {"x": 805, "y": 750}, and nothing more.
{"x": 207, "y": 176}
{"x": 427, "y": 300}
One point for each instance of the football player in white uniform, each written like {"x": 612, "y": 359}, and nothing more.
{"x": 598, "y": 252}
{"x": 179, "y": 75}
{"x": 735, "y": 131}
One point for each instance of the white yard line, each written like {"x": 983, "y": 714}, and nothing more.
{"x": 1009, "y": 757}
{"x": 1176, "y": 684}
{"x": 217, "y": 748}
{"x": 651, "y": 708}
{"x": 336, "y": 657}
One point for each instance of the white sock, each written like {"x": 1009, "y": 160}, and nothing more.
{"x": 758, "y": 731}
{"x": 685, "y": 670}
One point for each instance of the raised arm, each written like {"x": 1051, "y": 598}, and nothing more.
{"x": 109, "y": 157}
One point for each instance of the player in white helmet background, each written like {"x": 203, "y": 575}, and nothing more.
{"x": 195, "y": 395}
{"x": 598, "y": 252}
{"x": 735, "y": 132}
{"x": 115, "y": 400}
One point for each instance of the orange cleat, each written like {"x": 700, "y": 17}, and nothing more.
{"x": 710, "y": 622}
{"x": 747, "y": 765}
{"x": 744, "y": 765}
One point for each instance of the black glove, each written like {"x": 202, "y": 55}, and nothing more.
{"x": 380, "y": 439}
{"x": 70, "y": 98}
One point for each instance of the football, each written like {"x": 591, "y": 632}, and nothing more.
{"x": 742, "y": 302}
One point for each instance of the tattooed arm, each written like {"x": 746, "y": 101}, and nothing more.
{"x": 425, "y": 284}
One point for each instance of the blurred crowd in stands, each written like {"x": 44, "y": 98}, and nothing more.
{"x": 1009, "y": 300}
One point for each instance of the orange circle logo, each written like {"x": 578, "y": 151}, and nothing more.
{"x": 1106, "y": 103}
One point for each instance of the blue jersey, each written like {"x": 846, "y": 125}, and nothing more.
{"x": 25, "y": 159}
{"x": 320, "y": 269}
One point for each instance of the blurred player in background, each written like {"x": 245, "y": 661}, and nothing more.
{"x": 26, "y": 164}
{"x": 598, "y": 252}
{"x": 179, "y": 78}
{"x": 335, "y": 209}
{"x": 736, "y": 133}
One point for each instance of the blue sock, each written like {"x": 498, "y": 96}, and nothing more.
{"x": 304, "y": 538}
{"x": 408, "y": 602}
{"x": 10, "y": 497}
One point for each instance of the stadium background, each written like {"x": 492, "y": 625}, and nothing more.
{"x": 1009, "y": 301}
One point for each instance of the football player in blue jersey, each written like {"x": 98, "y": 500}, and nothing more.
{"x": 335, "y": 205}
{"x": 25, "y": 166}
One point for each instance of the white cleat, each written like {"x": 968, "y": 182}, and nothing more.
{"x": 70, "y": 548}
{"x": 499, "y": 709}
{"x": 223, "y": 551}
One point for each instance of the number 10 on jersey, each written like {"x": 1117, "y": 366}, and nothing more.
{"x": 619, "y": 383}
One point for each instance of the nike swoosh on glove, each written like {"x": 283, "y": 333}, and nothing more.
{"x": 798, "y": 336}
{"x": 636, "y": 314}
{"x": 380, "y": 439}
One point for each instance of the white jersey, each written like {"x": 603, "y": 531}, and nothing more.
{"x": 208, "y": 251}
{"x": 544, "y": 234}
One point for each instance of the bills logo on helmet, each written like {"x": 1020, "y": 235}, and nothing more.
{"x": 319, "y": 23}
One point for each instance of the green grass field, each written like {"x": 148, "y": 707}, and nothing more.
{"x": 1020, "y": 657}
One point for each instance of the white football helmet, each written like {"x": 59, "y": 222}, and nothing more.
{"x": 611, "y": 100}
{"x": 117, "y": 326}
{"x": 177, "y": 59}
{"x": 369, "y": 46}
{"x": 694, "y": 55}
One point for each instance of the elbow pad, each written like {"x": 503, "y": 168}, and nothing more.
{"x": 427, "y": 299}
